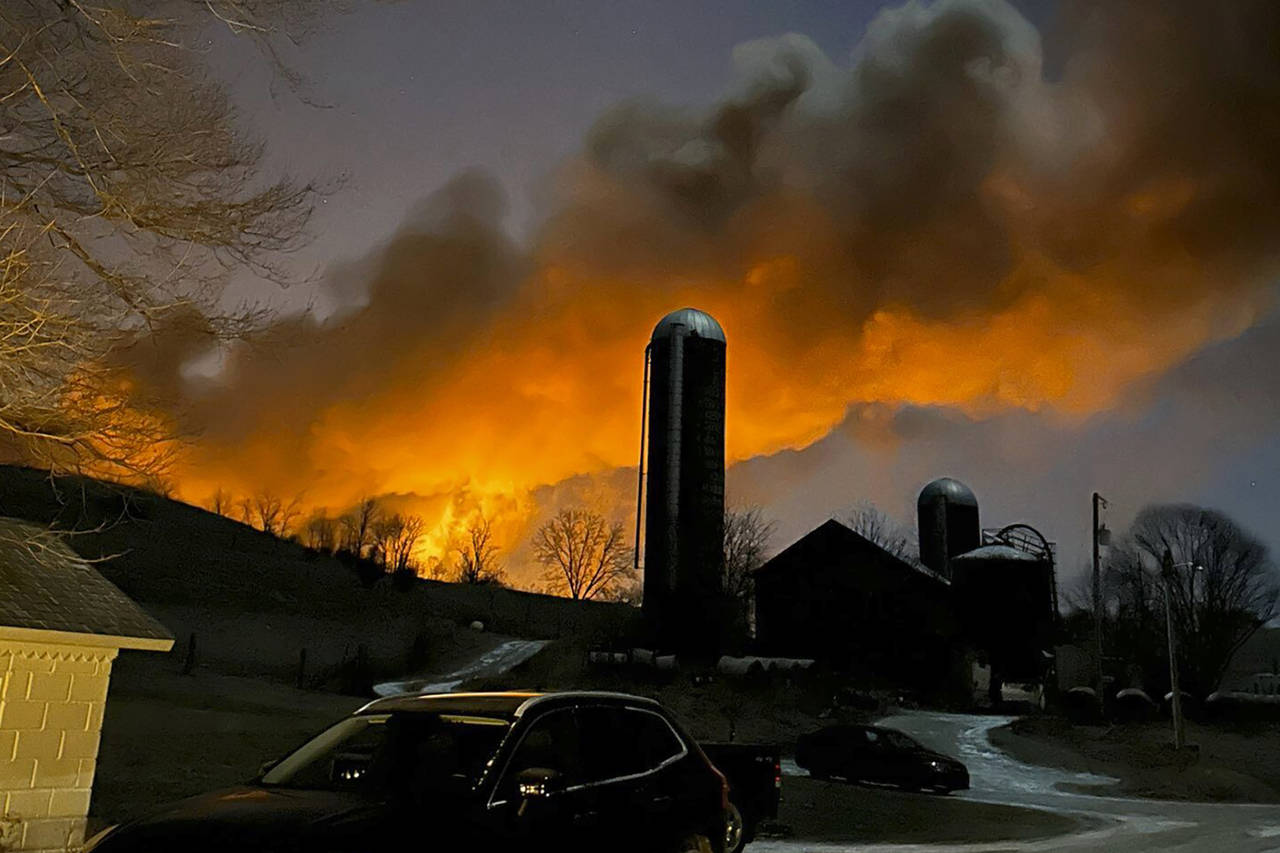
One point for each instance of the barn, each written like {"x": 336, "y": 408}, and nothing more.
{"x": 838, "y": 597}
{"x": 61, "y": 626}
{"x": 976, "y": 595}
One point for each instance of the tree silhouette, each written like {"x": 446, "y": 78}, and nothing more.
{"x": 476, "y": 557}
{"x": 129, "y": 195}
{"x": 583, "y": 554}
{"x": 873, "y": 525}
{"x": 1222, "y": 589}
{"x": 746, "y": 541}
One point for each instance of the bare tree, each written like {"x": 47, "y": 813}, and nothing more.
{"x": 272, "y": 514}
{"x": 583, "y": 554}
{"x": 126, "y": 196}
{"x": 220, "y": 502}
{"x": 1223, "y": 588}
{"x": 321, "y": 533}
{"x": 746, "y": 541}
{"x": 394, "y": 539}
{"x": 244, "y": 509}
{"x": 873, "y": 525}
{"x": 357, "y": 527}
{"x": 476, "y": 557}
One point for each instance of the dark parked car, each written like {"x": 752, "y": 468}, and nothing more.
{"x": 875, "y": 754}
{"x": 755, "y": 784}
{"x": 478, "y": 772}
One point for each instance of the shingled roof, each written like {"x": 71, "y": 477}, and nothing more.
{"x": 45, "y": 586}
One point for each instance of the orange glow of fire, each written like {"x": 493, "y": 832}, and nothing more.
{"x": 555, "y": 390}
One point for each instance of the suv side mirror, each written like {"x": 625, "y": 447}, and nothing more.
{"x": 535, "y": 783}
{"x": 265, "y": 767}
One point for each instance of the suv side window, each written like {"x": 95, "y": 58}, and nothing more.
{"x": 607, "y": 743}
{"x": 619, "y": 742}
{"x": 654, "y": 739}
{"x": 553, "y": 742}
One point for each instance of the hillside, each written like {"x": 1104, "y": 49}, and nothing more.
{"x": 255, "y": 602}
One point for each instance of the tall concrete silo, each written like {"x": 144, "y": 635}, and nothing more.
{"x": 949, "y": 525}
{"x": 684, "y": 505}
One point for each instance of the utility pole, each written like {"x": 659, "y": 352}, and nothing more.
{"x": 1167, "y": 568}
{"x": 1098, "y": 502}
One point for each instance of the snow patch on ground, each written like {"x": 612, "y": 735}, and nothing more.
{"x": 496, "y": 661}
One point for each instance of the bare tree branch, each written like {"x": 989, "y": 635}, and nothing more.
{"x": 127, "y": 195}
{"x": 583, "y": 555}
{"x": 476, "y": 557}
{"x": 873, "y": 525}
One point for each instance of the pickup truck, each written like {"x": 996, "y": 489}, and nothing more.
{"x": 754, "y": 774}
{"x": 572, "y": 771}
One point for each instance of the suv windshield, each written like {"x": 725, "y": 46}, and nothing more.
{"x": 416, "y": 753}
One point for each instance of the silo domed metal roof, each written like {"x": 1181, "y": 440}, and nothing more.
{"x": 697, "y": 322}
{"x": 952, "y": 491}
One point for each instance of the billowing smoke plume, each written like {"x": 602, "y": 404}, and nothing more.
{"x": 938, "y": 222}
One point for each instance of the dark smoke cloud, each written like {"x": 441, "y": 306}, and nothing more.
{"x": 1180, "y": 437}
{"x": 934, "y": 233}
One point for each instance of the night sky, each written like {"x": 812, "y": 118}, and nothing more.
{"x": 401, "y": 99}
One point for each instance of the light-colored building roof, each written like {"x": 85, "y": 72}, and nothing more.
{"x": 997, "y": 552}
{"x": 46, "y": 587}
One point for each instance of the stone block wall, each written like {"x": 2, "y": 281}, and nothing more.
{"x": 51, "y": 704}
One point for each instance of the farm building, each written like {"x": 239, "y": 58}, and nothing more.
{"x": 61, "y": 626}
{"x": 983, "y": 595}
{"x": 838, "y": 597}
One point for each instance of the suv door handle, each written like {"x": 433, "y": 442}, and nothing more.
{"x": 587, "y": 818}
{"x": 661, "y": 802}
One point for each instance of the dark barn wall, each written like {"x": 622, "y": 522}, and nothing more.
{"x": 684, "y": 506}
{"x": 836, "y": 597}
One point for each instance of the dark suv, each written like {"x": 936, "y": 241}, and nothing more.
{"x": 481, "y": 771}
{"x": 876, "y": 754}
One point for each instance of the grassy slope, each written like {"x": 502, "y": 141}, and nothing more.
{"x": 255, "y": 601}
{"x": 1233, "y": 766}
{"x": 167, "y": 736}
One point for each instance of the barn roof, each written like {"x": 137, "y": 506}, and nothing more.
{"x": 47, "y": 587}
{"x": 841, "y": 535}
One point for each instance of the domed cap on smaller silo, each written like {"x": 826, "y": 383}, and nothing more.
{"x": 950, "y": 490}
{"x": 693, "y": 322}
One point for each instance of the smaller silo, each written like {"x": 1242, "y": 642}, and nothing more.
{"x": 1004, "y": 596}
{"x": 948, "y": 517}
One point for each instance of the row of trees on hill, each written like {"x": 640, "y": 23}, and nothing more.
{"x": 368, "y": 538}
{"x": 582, "y": 554}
